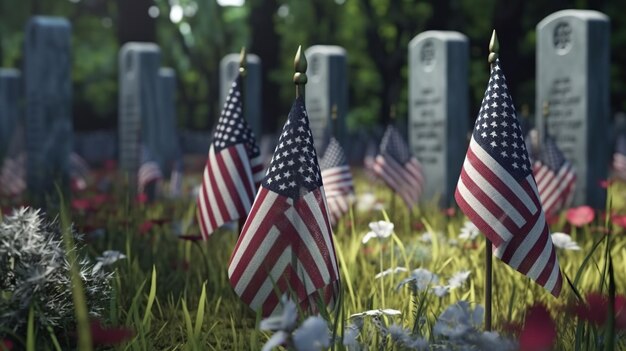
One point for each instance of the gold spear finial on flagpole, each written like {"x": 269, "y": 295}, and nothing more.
{"x": 243, "y": 62}
{"x": 300, "y": 66}
{"x": 494, "y": 47}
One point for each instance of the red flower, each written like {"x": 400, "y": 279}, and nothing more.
{"x": 580, "y": 216}
{"x": 145, "y": 227}
{"x": 418, "y": 226}
{"x": 6, "y": 344}
{"x": 605, "y": 183}
{"x": 539, "y": 331}
{"x": 110, "y": 165}
{"x": 142, "y": 198}
{"x": 99, "y": 200}
{"x": 109, "y": 336}
{"x": 450, "y": 211}
{"x": 81, "y": 204}
{"x": 596, "y": 310}
{"x": 619, "y": 220}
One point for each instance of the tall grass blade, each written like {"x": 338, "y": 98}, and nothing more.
{"x": 151, "y": 297}
{"x": 200, "y": 314}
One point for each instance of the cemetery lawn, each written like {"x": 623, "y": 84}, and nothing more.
{"x": 175, "y": 295}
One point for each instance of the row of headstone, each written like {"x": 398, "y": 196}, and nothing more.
{"x": 10, "y": 87}
{"x": 147, "y": 112}
{"x": 572, "y": 75}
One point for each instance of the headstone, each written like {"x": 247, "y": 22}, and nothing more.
{"x": 573, "y": 62}
{"x": 252, "y": 105}
{"x": 48, "y": 127}
{"x": 10, "y": 93}
{"x": 327, "y": 86}
{"x": 168, "y": 141}
{"x": 138, "y": 105}
{"x": 438, "y": 108}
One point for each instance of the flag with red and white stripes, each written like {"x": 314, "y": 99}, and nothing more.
{"x": 398, "y": 168}
{"x": 286, "y": 245}
{"x": 555, "y": 176}
{"x": 337, "y": 180}
{"x": 149, "y": 171}
{"x": 497, "y": 191}
{"x": 233, "y": 169}
{"x": 176, "y": 179}
{"x": 79, "y": 171}
{"x": 619, "y": 158}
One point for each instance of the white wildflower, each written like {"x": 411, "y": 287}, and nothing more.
{"x": 420, "y": 279}
{"x": 108, "y": 258}
{"x": 458, "y": 279}
{"x": 389, "y": 271}
{"x": 285, "y": 321}
{"x": 469, "y": 231}
{"x": 458, "y": 320}
{"x": 376, "y": 313}
{"x": 441, "y": 290}
{"x": 564, "y": 241}
{"x": 279, "y": 338}
{"x": 380, "y": 230}
{"x": 312, "y": 335}
{"x": 365, "y": 202}
{"x": 426, "y": 237}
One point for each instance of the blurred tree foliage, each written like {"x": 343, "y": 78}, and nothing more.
{"x": 374, "y": 32}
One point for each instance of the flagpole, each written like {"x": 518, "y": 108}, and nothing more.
{"x": 392, "y": 120}
{"x": 243, "y": 63}
{"x": 299, "y": 77}
{"x": 493, "y": 55}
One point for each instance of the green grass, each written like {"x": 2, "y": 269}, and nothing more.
{"x": 175, "y": 294}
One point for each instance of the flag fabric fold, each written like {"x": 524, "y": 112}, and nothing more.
{"x": 555, "y": 177}
{"x": 149, "y": 171}
{"x": 398, "y": 168}
{"x": 233, "y": 170}
{"x": 337, "y": 180}
{"x": 286, "y": 245}
{"x": 498, "y": 193}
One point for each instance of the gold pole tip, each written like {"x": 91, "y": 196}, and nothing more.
{"x": 243, "y": 61}
{"x": 300, "y": 66}
{"x": 494, "y": 47}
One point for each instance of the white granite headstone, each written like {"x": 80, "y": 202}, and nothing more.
{"x": 438, "y": 108}
{"x": 10, "y": 97}
{"x": 573, "y": 61}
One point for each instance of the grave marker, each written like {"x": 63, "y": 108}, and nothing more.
{"x": 168, "y": 141}
{"x": 438, "y": 108}
{"x": 10, "y": 93}
{"x": 327, "y": 87}
{"x": 573, "y": 61}
{"x": 48, "y": 127}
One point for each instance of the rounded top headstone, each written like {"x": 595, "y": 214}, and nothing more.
{"x": 50, "y": 21}
{"x": 442, "y": 35}
{"x": 10, "y": 73}
{"x": 137, "y": 46}
{"x": 329, "y": 50}
{"x": 586, "y": 15}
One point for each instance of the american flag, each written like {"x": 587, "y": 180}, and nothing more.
{"x": 13, "y": 175}
{"x": 497, "y": 191}
{"x": 286, "y": 245}
{"x": 555, "y": 176}
{"x": 149, "y": 170}
{"x": 398, "y": 168}
{"x": 233, "y": 169}
{"x": 337, "y": 181}
{"x": 619, "y": 158}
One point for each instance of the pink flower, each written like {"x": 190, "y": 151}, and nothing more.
{"x": 579, "y": 216}
{"x": 539, "y": 330}
{"x": 81, "y": 204}
{"x": 145, "y": 227}
{"x": 619, "y": 220}
{"x": 6, "y": 344}
{"x": 605, "y": 183}
{"x": 596, "y": 311}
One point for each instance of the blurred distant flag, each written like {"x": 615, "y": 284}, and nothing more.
{"x": 233, "y": 169}
{"x": 149, "y": 171}
{"x": 555, "y": 176}
{"x": 79, "y": 171}
{"x": 286, "y": 245}
{"x": 368, "y": 161}
{"x": 619, "y": 158}
{"x": 337, "y": 180}
{"x": 395, "y": 165}
{"x": 13, "y": 175}
{"x": 176, "y": 179}
{"x": 497, "y": 191}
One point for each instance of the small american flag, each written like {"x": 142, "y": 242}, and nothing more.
{"x": 497, "y": 191}
{"x": 398, "y": 168}
{"x": 619, "y": 158}
{"x": 13, "y": 175}
{"x": 337, "y": 181}
{"x": 149, "y": 171}
{"x": 555, "y": 176}
{"x": 286, "y": 245}
{"x": 79, "y": 171}
{"x": 233, "y": 169}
